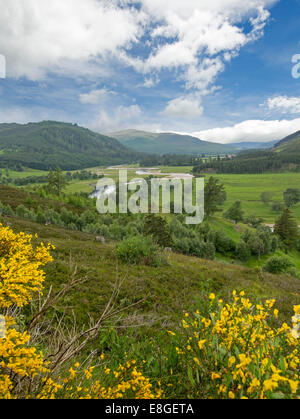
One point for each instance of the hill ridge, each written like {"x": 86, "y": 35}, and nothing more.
{"x": 47, "y": 144}
{"x": 170, "y": 142}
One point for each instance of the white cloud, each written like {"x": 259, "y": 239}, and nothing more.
{"x": 253, "y": 130}
{"x": 284, "y": 104}
{"x": 199, "y": 37}
{"x": 119, "y": 118}
{"x": 95, "y": 96}
{"x": 184, "y": 107}
{"x": 195, "y": 36}
{"x": 38, "y": 36}
{"x": 151, "y": 82}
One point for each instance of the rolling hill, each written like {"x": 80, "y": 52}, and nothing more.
{"x": 284, "y": 156}
{"x": 49, "y": 144}
{"x": 290, "y": 144}
{"x": 169, "y": 143}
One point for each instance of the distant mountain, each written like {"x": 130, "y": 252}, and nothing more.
{"x": 169, "y": 143}
{"x": 254, "y": 145}
{"x": 285, "y": 155}
{"x": 49, "y": 144}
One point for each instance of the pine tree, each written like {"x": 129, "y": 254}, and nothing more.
{"x": 158, "y": 228}
{"x": 214, "y": 196}
{"x": 56, "y": 181}
{"x": 287, "y": 229}
{"x": 235, "y": 212}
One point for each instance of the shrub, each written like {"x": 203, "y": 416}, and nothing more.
{"x": 182, "y": 245}
{"x": 278, "y": 265}
{"x": 40, "y": 217}
{"x": 277, "y": 207}
{"x": 202, "y": 250}
{"x": 254, "y": 221}
{"x": 223, "y": 243}
{"x": 232, "y": 352}
{"x": 24, "y": 372}
{"x": 21, "y": 211}
{"x": 139, "y": 249}
{"x": 242, "y": 251}
{"x": 7, "y": 211}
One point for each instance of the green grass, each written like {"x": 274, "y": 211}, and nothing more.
{"x": 77, "y": 186}
{"x": 166, "y": 291}
{"x": 176, "y": 169}
{"x": 231, "y": 230}
{"x": 248, "y": 188}
{"x": 26, "y": 173}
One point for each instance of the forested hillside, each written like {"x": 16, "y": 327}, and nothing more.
{"x": 50, "y": 144}
{"x": 284, "y": 156}
{"x": 166, "y": 143}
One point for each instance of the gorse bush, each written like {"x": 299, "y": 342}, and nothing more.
{"x": 139, "y": 249}
{"x": 21, "y": 278}
{"x": 233, "y": 352}
{"x": 25, "y": 372}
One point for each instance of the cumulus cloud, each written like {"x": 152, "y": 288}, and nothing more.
{"x": 184, "y": 107}
{"x": 193, "y": 39}
{"x": 95, "y": 96}
{"x": 284, "y": 104}
{"x": 119, "y": 118}
{"x": 195, "y": 36}
{"x": 38, "y": 37}
{"x": 253, "y": 130}
{"x": 199, "y": 37}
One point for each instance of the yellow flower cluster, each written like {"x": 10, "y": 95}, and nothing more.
{"x": 20, "y": 265}
{"x": 21, "y": 366}
{"x": 21, "y": 276}
{"x": 237, "y": 354}
{"x": 17, "y": 360}
{"x": 125, "y": 383}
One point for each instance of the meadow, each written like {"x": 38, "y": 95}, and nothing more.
{"x": 245, "y": 188}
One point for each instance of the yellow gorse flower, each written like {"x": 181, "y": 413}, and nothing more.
{"x": 22, "y": 277}
{"x": 242, "y": 354}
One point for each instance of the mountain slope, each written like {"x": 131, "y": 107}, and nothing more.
{"x": 50, "y": 144}
{"x": 284, "y": 156}
{"x": 254, "y": 145}
{"x": 169, "y": 143}
{"x": 290, "y": 144}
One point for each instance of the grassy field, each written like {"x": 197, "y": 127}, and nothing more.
{"x": 246, "y": 188}
{"x": 26, "y": 173}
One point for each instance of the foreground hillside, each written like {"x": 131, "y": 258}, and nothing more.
{"x": 48, "y": 144}
{"x": 166, "y": 143}
{"x": 166, "y": 291}
{"x": 104, "y": 329}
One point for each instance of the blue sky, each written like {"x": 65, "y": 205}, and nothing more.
{"x": 217, "y": 69}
